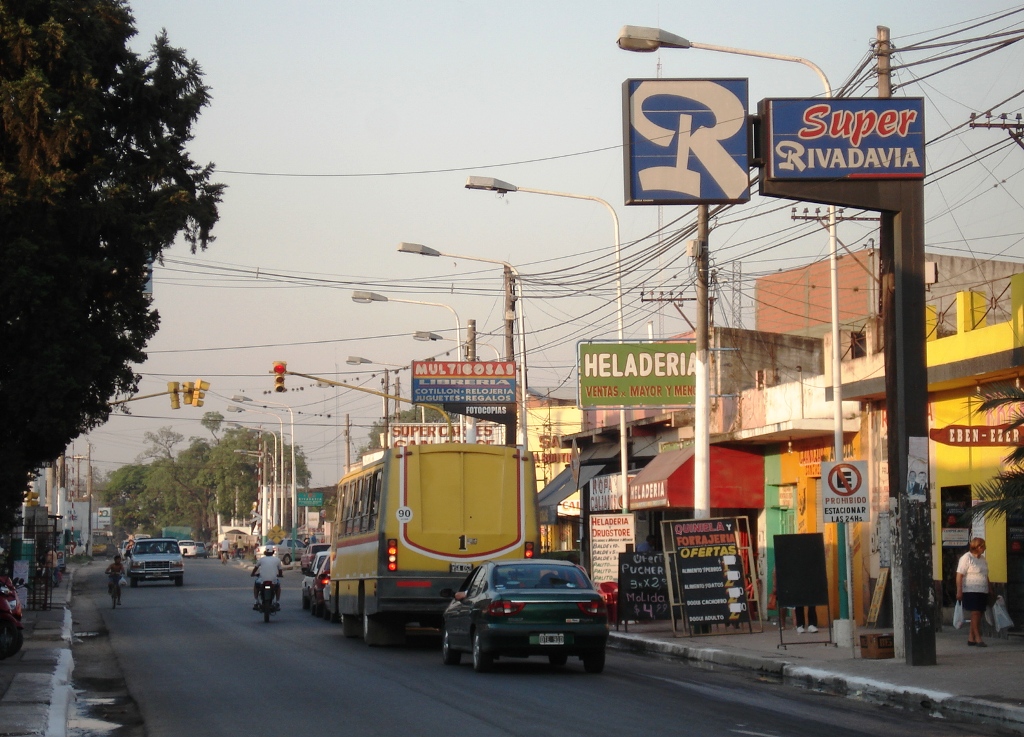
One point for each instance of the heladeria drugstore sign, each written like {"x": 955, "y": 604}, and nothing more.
{"x": 636, "y": 374}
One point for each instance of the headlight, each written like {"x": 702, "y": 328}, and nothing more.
{"x": 177, "y": 564}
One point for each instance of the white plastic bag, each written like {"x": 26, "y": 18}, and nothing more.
{"x": 123, "y": 581}
{"x": 1002, "y": 616}
{"x": 958, "y": 615}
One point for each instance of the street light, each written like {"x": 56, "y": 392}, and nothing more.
{"x": 646, "y": 39}
{"x": 420, "y": 249}
{"x": 295, "y": 497}
{"x": 497, "y": 185}
{"x": 368, "y": 297}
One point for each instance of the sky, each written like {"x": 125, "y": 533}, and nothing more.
{"x": 344, "y": 128}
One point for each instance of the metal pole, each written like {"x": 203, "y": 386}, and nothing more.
{"x": 701, "y": 419}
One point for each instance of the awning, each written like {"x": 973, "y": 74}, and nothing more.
{"x": 599, "y": 453}
{"x": 562, "y": 487}
{"x": 737, "y": 480}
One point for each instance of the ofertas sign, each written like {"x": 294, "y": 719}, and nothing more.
{"x": 868, "y": 138}
{"x": 636, "y": 374}
{"x": 844, "y": 493}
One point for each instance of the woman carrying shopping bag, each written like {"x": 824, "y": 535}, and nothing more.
{"x": 973, "y": 588}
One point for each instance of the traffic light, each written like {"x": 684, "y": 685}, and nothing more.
{"x": 280, "y": 369}
{"x": 172, "y": 390}
{"x": 187, "y": 392}
{"x": 200, "y": 392}
{"x": 32, "y": 499}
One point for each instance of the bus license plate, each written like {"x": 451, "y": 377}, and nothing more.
{"x": 552, "y": 639}
{"x": 460, "y": 567}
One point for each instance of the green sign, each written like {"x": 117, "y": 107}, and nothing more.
{"x": 637, "y": 374}
{"x": 310, "y": 498}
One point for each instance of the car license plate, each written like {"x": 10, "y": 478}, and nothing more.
{"x": 460, "y": 567}
{"x": 551, "y": 639}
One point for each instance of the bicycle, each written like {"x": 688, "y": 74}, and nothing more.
{"x": 115, "y": 593}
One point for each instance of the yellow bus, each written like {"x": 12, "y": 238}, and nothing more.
{"x": 415, "y": 522}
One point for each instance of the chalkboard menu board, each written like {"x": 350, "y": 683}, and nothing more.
{"x": 643, "y": 591}
{"x": 709, "y": 571}
{"x": 800, "y": 578}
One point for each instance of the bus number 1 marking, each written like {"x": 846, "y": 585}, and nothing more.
{"x": 466, "y": 541}
{"x": 404, "y": 514}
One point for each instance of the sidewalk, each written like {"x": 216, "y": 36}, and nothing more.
{"x": 35, "y": 683}
{"x": 967, "y": 683}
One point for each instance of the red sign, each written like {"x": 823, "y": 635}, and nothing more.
{"x": 967, "y": 436}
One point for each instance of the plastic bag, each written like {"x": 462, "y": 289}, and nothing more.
{"x": 958, "y": 615}
{"x": 989, "y": 617}
{"x": 123, "y": 581}
{"x": 1002, "y": 616}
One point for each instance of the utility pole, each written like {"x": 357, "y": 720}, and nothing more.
{"x": 348, "y": 442}
{"x": 702, "y": 417}
{"x": 903, "y": 316}
{"x": 384, "y": 382}
{"x": 510, "y": 316}
{"x": 470, "y": 356}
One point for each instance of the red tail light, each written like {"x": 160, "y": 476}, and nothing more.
{"x": 505, "y": 608}
{"x": 392, "y": 555}
{"x": 529, "y": 550}
{"x": 324, "y": 579}
{"x": 593, "y": 608}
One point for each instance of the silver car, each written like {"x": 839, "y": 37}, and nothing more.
{"x": 155, "y": 559}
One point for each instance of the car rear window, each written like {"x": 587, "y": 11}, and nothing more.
{"x": 538, "y": 577}
{"x": 154, "y": 547}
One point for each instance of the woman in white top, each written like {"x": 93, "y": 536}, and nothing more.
{"x": 973, "y": 588}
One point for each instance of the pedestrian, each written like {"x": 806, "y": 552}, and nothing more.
{"x": 973, "y": 588}
{"x": 650, "y": 545}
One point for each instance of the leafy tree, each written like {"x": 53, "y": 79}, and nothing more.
{"x": 1004, "y": 494}
{"x": 95, "y": 182}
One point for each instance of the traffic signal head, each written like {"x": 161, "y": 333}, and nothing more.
{"x": 199, "y": 388}
{"x": 172, "y": 391}
{"x": 187, "y": 392}
{"x": 280, "y": 369}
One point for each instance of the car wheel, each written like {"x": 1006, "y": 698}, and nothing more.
{"x": 449, "y": 656}
{"x": 179, "y": 581}
{"x": 287, "y": 560}
{"x": 306, "y": 603}
{"x": 482, "y": 661}
{"x": 558, "y": 660}
{"x": 593, "y": 662}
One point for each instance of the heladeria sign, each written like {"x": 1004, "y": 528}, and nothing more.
{"x": 636, "y": 374}
{"x": 872, "y": 138}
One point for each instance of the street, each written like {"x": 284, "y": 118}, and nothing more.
{"x": 197, "y": 660}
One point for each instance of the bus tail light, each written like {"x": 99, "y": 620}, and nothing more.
{"x": 505, "y": 608}
{"x": 529, "y": 550}
{"x": 392, "y": 555}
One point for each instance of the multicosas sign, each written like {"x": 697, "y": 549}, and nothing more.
{"x": 636, "y": 374}
{"x": 844, "y": 139}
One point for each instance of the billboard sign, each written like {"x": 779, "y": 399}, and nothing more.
{"x": 865, "y": 138}
{"x": 433, "y": 433}
{"x": 687, "y": 141}
{"x": 636, "y": 374}
{"x": 464, "y": 382}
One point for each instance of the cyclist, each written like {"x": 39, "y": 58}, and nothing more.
{"x": 225, "y": 549}
{"x": 114, "y": 572}
{"x": 267, "y": 568}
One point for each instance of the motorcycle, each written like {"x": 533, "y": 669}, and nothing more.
{"x": 12, "y": 636}
{"x": 267, "y": 602}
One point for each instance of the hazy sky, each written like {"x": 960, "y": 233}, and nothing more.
{"x": 343, "y": 128}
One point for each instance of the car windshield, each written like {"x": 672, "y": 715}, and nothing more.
{"x": 539, "y": 577}
{"x": 154, "y": 547}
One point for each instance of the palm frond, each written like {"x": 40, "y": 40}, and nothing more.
{"x": 1002, "y": 496}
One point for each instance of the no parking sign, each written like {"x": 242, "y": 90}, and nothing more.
{"x": 844, "y": 493}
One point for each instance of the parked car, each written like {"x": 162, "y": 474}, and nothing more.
{"x": 311, "y": 550}
{"x": 154, "y": 559}
{"x": 288, "y": 550}
{"x": 519, "y": 608}
{"x": 201, "y": 550}
{"x": 188, "y": 548}
{"x": 313, "y": 583}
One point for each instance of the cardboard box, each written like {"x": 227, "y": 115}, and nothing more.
{"x": 877, "y": 645}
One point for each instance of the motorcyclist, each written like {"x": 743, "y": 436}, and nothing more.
{"x": 268, "y": 568}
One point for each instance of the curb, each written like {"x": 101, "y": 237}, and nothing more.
{"x": 936, "y": 703}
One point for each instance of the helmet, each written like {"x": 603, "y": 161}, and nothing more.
{"x": 269, "y": 550}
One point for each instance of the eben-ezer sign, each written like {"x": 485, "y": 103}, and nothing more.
{"x": 636, "y": 374}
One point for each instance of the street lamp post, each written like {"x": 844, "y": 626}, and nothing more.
{"x": 268, "y": 509}
{"x": 645, "y": 39}
{"x": 427, "y": 251}
{"x": 368, "y": 297}
{"x": 295, "y": 498}
{"x": 496, "y": 185}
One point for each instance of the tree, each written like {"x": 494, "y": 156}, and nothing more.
{"x": 1004, "y": 494}
{"x": 95, "y": 182}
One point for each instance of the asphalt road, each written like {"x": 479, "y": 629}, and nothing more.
{"x": 197, "y": 660}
